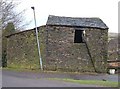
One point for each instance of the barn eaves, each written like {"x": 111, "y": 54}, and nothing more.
{"x": 76, "y": 22}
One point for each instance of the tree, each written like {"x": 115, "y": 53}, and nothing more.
{"x": 9, "y": 14}
{"x": 11, "y": 21}
{"x": 7, "y": 31}
{"x": 10, "y": 29}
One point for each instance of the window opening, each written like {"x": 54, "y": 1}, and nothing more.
{"x": 78, "y": 37}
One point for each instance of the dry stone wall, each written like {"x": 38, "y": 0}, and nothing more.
{"x": 59, "y": 52}
{"x": 64, "y": 54}
{"x": 98, "y": 46}
{"x": 22, "y": 49}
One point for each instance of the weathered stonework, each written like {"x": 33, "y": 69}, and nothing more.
{"x": 22, "y": 49}
{"x": 58, "y": 50}
{"x": 98, "y": 46}
{"x": 64, "y": 54}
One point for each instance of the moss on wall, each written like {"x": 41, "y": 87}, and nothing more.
{"x": 98, "y": 46}
{"x": 22, "y": 51}
{"x": 64, "y": 54}
{"x": 59, "y": 52}
{"x": 7, "y": 31}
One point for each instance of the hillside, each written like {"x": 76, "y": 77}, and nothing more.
{"x": 112, "y": 36}
{"x": 113, "y": 46}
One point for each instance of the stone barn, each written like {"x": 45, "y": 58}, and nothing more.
{"x": 76, "y": 44}
{"x": 67, "y": 44}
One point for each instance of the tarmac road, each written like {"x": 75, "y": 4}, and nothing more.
{"x": 30, "y": 79}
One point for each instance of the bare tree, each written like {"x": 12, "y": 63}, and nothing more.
{"x": 10, "y": 21}
{"x": 9, "y": 14}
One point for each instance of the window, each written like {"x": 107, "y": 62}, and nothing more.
{"x": 78, "y": 37}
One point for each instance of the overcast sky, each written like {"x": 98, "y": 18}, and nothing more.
{"x": 107, "y": 10}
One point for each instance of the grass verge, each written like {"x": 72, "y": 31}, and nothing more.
{"x": 45, "y": 71}
{"x": 90, "y": 82}
{"x": 21, "y": 70}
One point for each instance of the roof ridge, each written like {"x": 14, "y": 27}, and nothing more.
{"x": 73, "y": 17}
{"x": 94, "y": 22}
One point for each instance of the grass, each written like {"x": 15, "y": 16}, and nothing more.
{"x": 90, "y": 82}
{"x": 46, "y": 71}
{"x": 22, "y": 70}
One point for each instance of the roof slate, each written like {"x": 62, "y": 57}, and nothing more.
{"x": 76, "y": 22}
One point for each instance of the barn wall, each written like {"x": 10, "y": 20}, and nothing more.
{"x": 22, "y": 49}
{"x": 98, "y": 46}
{"x": 64, "y": 54}
{"x": 59, "y": 52}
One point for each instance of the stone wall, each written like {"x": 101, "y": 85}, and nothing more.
{"x": 98, "y": 46}
{"x": 64, "y": 54}
{"x": 59, "y": 52}
{"x": 22, "y": 49}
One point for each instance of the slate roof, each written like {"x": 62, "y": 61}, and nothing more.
{"x": 76, "y": 22}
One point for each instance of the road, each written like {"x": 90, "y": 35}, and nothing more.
{"x": 30, "y": 79}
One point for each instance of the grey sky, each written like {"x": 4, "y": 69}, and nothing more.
{"x": 107, "y": 10}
